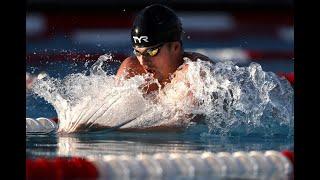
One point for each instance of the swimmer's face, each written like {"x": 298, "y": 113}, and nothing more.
{"x": 160, "y": 60}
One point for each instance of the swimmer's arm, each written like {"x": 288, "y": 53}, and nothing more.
{"x": 130, "y": 67}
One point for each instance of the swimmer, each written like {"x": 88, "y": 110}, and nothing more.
{"x": 156, "y": 37}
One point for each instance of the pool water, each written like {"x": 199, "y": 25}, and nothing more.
{"x": 125, "y": 143}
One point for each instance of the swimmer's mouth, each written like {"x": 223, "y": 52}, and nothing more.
{"x": 150, "y": 71}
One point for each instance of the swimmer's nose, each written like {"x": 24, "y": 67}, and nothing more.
{"x": 145, "y": 61}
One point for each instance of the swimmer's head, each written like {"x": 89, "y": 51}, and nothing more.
{"x": 154, "y": 25}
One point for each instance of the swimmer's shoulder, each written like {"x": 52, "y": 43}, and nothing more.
{"x": 193, "y": 56}
{"x": 130, "y": 66}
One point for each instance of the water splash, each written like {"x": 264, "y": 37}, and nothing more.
{"x": 229, "y": 99}
{"x": 243, "y": 100}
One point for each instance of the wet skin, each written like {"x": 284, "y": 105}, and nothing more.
{"x": 166, "y": 63}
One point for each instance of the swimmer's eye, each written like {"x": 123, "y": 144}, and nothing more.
{"x": 151, "y": 52}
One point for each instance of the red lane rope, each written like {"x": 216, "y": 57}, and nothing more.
{"x": 289, "y": 76}
{"x": 80, "y": 168}
{"x": 289, "y": 154}
{"x": 55, "y": 119}
{"x": 60, "y": 168}
{"x": 260, "y": 55}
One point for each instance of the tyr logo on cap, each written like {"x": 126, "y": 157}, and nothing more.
{"x": 136, "y": 38}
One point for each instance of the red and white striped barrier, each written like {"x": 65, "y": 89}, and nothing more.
{"x": 241, "y": 165}
{"x": 198, "y": 25}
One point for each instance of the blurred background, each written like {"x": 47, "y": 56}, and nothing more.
{"x": 65, "y": 37}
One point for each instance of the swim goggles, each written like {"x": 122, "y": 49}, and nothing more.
{"x": 150, "y": 52}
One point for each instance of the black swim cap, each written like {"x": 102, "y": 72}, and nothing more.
{"x": 155, "y": 24}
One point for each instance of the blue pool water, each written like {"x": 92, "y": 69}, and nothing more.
{"x": 125, "y": 143}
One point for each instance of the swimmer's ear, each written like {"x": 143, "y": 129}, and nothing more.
{"x": 176, "y": 46}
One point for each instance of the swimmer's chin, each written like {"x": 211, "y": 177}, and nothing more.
{"x": 155, "y": 74}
